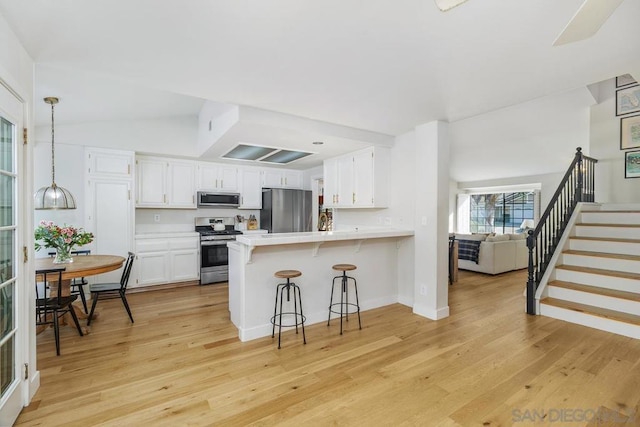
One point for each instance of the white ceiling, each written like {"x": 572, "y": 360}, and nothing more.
{"x": 379, "y": 65}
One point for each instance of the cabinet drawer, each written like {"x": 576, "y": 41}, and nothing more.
{"x": 152, "y": 245}
{"x": 184, "y": 243}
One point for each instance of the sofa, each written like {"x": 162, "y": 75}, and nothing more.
{"x": 495, "y": 253}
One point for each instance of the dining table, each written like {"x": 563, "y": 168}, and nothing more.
{"x": 81, "y": 266}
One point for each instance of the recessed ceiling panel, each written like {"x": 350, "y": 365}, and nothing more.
{"x": 248, "y": 152}
{"x": 285, "y": 156}
{"x": 259, "y": 153}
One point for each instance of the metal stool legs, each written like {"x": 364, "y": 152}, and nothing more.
{"x": 298, "y": 317}
{"x": 344, "y": 300}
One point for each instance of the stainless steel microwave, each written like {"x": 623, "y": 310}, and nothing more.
{"x": 218, "y": 200}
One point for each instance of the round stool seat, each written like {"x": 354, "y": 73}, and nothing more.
{"x": 344, "y": 267}
{"x": 287, "y": 274}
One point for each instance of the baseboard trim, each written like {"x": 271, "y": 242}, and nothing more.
{"x": 430, "y": 313}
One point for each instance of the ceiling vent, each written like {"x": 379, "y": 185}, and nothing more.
{"x": 262, "y": 154}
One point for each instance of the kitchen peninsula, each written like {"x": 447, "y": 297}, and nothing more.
{"x": 254, "y": 259}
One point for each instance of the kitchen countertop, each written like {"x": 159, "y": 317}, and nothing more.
{"x": 166, "y": 234}
{"x": 321, "y": 236}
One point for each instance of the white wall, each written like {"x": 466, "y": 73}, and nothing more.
{"x": 532, "y": 138}
{"x": 69, "y": 174}
{"x": 171, "y": 136}
{"x": 526, "y": 145}
{"x": 599, "y": 138}
{"x": 214, "y": 120}
{"x": 611, "y": 185}
{"x": 16, "y": 67}
{"x": 309, "y": 175}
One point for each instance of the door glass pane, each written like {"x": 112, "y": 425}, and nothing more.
{"x": 6, "y": 199}
{"x": 6, "y": 309}
{"x": 7, "y": 367}
{"x": 6, "y": 255}
{"x": 6, "y": 145}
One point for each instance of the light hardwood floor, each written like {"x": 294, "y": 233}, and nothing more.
{"x": 487, "y": 364}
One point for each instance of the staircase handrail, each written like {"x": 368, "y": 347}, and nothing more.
{"x": 577, "y": 185}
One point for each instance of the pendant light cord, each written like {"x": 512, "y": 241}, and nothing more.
{"x": 53, "y": 162}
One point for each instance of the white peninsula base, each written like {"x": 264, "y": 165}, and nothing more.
{"x": 254, "y": 259}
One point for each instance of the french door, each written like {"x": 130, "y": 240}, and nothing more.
{"x": 13, "y": 330}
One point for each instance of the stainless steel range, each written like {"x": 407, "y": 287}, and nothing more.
{"x": 214, "y": 254}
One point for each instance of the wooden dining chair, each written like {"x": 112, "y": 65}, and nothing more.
{"x": 49, "y": 307}
{"x": 120, "y": 289}
{"x": 77, "y": 284}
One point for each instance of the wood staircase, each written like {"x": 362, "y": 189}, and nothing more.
{"x": 596, "y": 280}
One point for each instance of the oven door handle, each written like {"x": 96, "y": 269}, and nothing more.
{"x": 215, "y": 242}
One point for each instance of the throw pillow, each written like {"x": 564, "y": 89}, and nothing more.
{"x": 469, "y": 250}
{"x": 498, "y": 238}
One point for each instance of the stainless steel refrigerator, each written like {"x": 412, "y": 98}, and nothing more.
{"x": 285, "y": 211}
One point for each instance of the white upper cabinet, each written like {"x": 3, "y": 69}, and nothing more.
{"x": 330, "y": 182}
{"x": 151, "y": 182}
{"x": 250, "y": 189}
{"x": 281, "y": 178}
{"x": 357, "y": 180}
{"x": 364, "y": 179}
{"x": 345, "y": 182}
{"x": 165, "y": 183}
{"x": 215, "y": 177}
{"x": 109, "y": 163}
{"x": 292, "y": 179}
{"x": 182, "y": 184}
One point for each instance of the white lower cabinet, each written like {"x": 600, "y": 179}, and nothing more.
{"x": 184, "y": 265}
{"x": 162, "y": 260}
{"x": 152, "y": 268}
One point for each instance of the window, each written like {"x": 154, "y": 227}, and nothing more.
{"x": 500, "y": 212}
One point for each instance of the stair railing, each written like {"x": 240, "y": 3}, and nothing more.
{"x": 576, "y": 186}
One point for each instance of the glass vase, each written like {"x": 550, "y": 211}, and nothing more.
{"x": 63, "y": 256}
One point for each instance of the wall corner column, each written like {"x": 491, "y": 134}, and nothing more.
{"x": 431, "y": 291}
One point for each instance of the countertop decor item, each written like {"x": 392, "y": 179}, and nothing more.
{"x": 252, "y": 223}
{"x": 53, "y": 197}
{"x": 62, "y": 239}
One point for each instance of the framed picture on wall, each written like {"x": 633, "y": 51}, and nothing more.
{"x": 628, "y": 100}
{"x": 630, "y": 132}
{"x": 625, "y": 80}
{"x": 632, "y": 164}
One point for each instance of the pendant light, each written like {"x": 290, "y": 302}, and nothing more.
{"x": 53, "y": 197}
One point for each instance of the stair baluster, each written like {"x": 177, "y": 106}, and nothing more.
{"x": 543, "y": 240}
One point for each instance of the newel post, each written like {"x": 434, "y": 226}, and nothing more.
{"x": 579, "y": 165}
{"x": 531, "y": 285}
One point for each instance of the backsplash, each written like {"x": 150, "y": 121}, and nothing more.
{"x": 167, "y": 220}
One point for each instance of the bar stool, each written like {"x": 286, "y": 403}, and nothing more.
{"x": 344, "y": 295}
{"x": 298, "y": 317}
